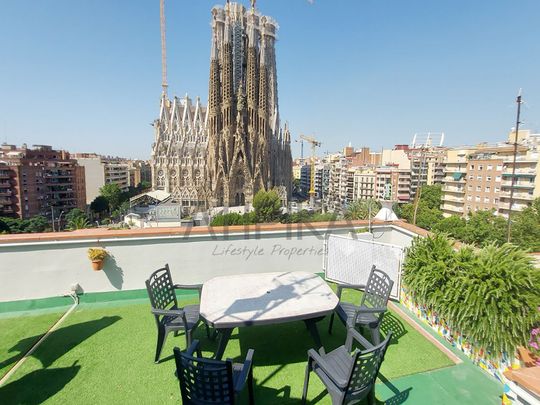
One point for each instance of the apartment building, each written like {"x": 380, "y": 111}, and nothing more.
{"x": 527, "y": 172}
{"x": 484, "y": 179}
{"x": 139, "y": 171}
{"x": 338, "y": 182}
{"x": 364, "y": 183}
{"x": 322, "y": 180}
{"x": 101, "y": 170}
{"x": 455, "y": 166}
{"x": 480, "y": 178}
{"x": 427, "y": 166}
{"x": 9, "y": 206}
{"x": 39, "y": 181}
{"x": 393, "y": 183}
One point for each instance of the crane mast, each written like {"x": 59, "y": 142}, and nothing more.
{"x": 164, "y": 84}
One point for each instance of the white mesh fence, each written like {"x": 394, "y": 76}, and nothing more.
{"x": 350, "y": 260}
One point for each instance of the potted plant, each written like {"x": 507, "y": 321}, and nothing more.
{"x": 97, "y": 256}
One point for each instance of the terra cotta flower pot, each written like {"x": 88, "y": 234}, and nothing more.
{"x": 97, "y": 265}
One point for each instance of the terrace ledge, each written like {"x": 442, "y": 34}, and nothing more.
{"x": 102, "y": 233}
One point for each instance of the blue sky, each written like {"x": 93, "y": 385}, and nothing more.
{"x": 85, "y": 75}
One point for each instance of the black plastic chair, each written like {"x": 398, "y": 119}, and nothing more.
{"x": 372, "y": 306}
{"x": 348, "y": 377}
{"x": 207, "y": 381}
{"x": 169, "y": 317}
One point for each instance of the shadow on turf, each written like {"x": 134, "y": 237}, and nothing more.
{"x": 399, "y": 397}
{"x": 37, "y": 386}
{"x": 60, "y": 341}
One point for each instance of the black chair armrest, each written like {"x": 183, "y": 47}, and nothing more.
{"x": 354, "y": 334}
{"x": 246, "y": 369}
{"x": 168, "y": 312}
{"x": 313, "y": 356}
{"x": 188, "y": 286}
{"x": 194, "y": 347}
{"x": 172, "y": 312}
{"x": 374, "y": 310}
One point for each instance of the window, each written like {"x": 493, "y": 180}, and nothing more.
{"x": 498, "y": 178}
{"x": 478, "y": 188}
{"x": 486, "y": 200}
{"x": 497, "y": 189}
{"x": 472, "y": 167}
{"x": 495, "y": 200}
{"x": 477, "y": 198}
{"x": 480, "y": 167}
{"x": 469, "y": 198}
{"x": 489, "y": 167}
{"x": 488, "y": 189}
{"x": 499, "y": 167}
{"x": 488, "y": 178}
{"x": 471, "y": 177}
{"x": 479, "y": 178}
{"x": 469, "y": 187}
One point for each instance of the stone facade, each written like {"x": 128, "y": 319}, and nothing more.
{"x": 223, "y": 154}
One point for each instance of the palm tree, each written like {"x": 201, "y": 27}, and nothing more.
{"x": 78, "y": 223}
{"x": 361, "y": 209}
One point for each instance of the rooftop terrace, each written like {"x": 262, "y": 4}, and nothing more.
{"x": 103, "y": 351}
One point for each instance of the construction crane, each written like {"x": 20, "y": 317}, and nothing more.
{"x": 314, "y": 143}
{"x": 164, "y": 84}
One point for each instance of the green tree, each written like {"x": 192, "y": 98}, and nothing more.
{"x": 453, "y": 226}
{"x": 267, "y": 206}
{"x": 113, "y": 194}
{"x": 4, "y": 227}
{"x": 99, "y": 205}
{"x": 429, "y": 212}
{"x": 431, "y": 195}
{"x": 426, "y": 217}
{"x": 360, "y": 209}
{"x": 37, "y": 224}
{"x": 75, "y": 213}
{"x": 525, "y": 229}
{"x": 483, "y": 228}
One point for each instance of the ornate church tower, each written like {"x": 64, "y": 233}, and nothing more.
{"x": 247, "y": 149}
{"x": 223, "y": 154}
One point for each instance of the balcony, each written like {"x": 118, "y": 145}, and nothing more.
{"x": 518, "y": 184}
{"x": 452, "y": 199}
{"x": 517, "y": 196}
{"x": 103, "y": 351}
{"x": 452, "y": 208}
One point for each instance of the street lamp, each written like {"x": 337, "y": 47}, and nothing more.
{"x": 59, "y": 219}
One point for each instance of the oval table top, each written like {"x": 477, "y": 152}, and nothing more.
{"x": 265, "y": 298}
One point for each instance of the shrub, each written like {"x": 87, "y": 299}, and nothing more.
{"x": 233, "y": 218}
{"x": 428, "y": 266}
{"x": 494, "y": 303}
{"x": 491, "y": 295}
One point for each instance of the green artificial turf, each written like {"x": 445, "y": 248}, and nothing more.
{"x": 103, "y": 353}
{"x": 19, "y": 333}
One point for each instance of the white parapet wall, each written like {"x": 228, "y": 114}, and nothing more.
{"x": 48, "y": 266}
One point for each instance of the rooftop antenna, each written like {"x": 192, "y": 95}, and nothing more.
{"x": 164, "y": 84}
{"x": 512, "y": 184}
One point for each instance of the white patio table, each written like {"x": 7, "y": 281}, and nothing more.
{"x": 242, "y": 300}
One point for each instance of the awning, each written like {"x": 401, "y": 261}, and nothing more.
{"x": 457, "y": 176}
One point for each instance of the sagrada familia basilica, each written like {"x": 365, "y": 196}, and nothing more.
{"x": 224, "y": 153}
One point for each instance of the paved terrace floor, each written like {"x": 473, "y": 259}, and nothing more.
{"x": 103, "y": 353}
